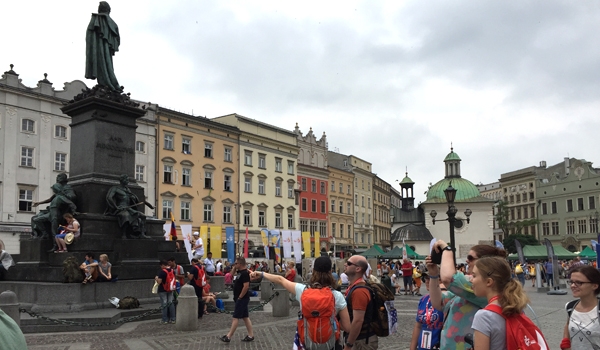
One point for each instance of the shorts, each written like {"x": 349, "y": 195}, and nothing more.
{"x": 418, "y": 282}
{"x": 62, "y": 235}
{"x": 407, "y": 280}
{"x": 241, "y": 308}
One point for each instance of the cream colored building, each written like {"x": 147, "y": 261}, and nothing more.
{"x": 341, "y": 198}
{"x": 382, "y": 224}
{"x": 363, "y": 202}
{"x": 268, "y": 166}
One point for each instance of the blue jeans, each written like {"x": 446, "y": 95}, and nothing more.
{"x": 550, "y": 279}
{"x": 521, "y": 277}
{"x": 166, "y": 298}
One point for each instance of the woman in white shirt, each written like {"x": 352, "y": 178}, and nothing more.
{"x": 582, "y": 330}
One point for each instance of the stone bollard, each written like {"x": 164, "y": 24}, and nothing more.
{"x": 266, "y": 289}
{"x": 281, "y": 303}
{"x": 187, "y": 309}
{"x": 10, "y": 305}
{"x": 217, "y": 284}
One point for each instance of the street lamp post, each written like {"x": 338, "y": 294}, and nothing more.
{"x": 450, "y": 194}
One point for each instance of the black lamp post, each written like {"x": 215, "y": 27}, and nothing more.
{"x": 450, "y": 193}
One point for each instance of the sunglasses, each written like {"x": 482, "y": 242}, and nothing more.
{"x": 350, "y": 263}
{"x": 577, "y": 283}
{"x": 471, "y": 258}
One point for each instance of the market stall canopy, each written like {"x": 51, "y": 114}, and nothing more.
{"x": 396, "y": 253}
{"x": 588, "y": 253}
{"x": 539, "y": 252}
{"x": 373, "y": 252}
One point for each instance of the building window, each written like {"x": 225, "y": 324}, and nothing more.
{"x": 544, "y": 208}
{"x": 341, "y": 187}
{"x": 27, "y": 156}
{"x": 247, "y": 184}
{"x": 593, "y": 226}
{"x": 322, "y": 187}
{"x": 186, "y": 146}
{"x": 369, "y": 202}
{"x": 592, "y": 203}
{"x": 227, "y": 214}
{"x": 363, "y": 218}
{"x": 341, "y": 207}
{"x": 168, "y": 174}
{"x": 60, "y": 132}
{"x": 555, "y": 230}
{"x": 333, "y": 229}
{"x": 333, "y": 205}
{"x": 368, "y": 185}
{"x": 262, "y": 218}
{"x": 349, "y": 189}
{"x": 248, "y": 158}
{"x": 277, "y": 188}
{"x": 362, "y": 184}
{"x": 227, "y": 156}
{"x": 140, "y": 147}
{"x": 227, "y": 183}
{"x": 261, "y": 186}
{"x": 579, "y": 203}
{"x": 25, "y": 200}
{"x": 322, "y": 230}
{"x": 139, "y": 173}
{"x": 262, "y": 161}
{"x": 303, "y": 181}
{"x": 167, "y": 208}
{"x": 546, "y": 228}
{"x": 349, "y": 211}
{"x": 553, "y": 208}
{"x": 208, "y": 212}
{"x": 208, "y": 179}
{"x": 303, "y": 225}
{"x": 332, "y": 186}
{"x": 290, "y": 220}
{"x": 313, "y": 206}
{"x": 208, "y": 150}
{"x": 313, "y": 186}
{"x": 247, "y": 217}
{"x": 303, "y": 204}
{"x": 278, "y": 166}
{"x": 185, "y": 210}
{"x": 290, "y": 190}
{"x": 323, "y": 207}
{"x": 186, "y": 177}
{"x": 169, "y": 141}
{"x": 278, "y": 220}
{"x": 27, "y": 125}
{"x": 569, "y": 205}
{"x": 60, "y": 161}
{"x": 290, "y": 167}
{"x": 363, "y": 201}
{"x": 313, "y": 228}
{"x": 582, "y": 226}
{"x": 571, "y": 227}
{"x": 342, "y": 231}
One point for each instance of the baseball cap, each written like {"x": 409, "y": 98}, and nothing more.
{"x": 196, "y": 233}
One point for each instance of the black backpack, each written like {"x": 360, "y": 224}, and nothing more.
{"x": 378, "y": 316}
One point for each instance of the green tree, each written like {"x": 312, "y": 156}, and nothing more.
{"x": 509, "y": 242}
{"x": 506, "y": 224}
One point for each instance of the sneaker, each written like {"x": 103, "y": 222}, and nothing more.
{"x": 172, "y": 321}
{"x": 164, "y": 322}
{"x": 224, "y": 339}
{"x": 248, "y": 338}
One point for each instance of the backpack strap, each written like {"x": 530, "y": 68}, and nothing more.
{"x": 570, "y": 306}
{"x": 495, "y": 308}
{"x": 368, "y": 316}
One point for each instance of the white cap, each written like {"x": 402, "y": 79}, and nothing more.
{"x": 196, "y": 233}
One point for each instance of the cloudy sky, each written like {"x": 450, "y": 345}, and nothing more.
{"x": 509, "y": 83}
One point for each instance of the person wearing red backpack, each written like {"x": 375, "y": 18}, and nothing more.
{"x": 197, "y": 279}
{"x": 320, "y": 296}
{"x": 166, "y": 286}
{"x": 502, "y": 323}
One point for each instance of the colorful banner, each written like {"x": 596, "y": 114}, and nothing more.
{"x": 297, "y": 245}
{"x": 551, "y": 255}
{"x": 520, "y": 252}
{"x": 166, "y": 231}
{"x": 317, "y": 244}
{"x": 230, "y": 238}
{"x": 275, "y": 240}
{"x": 246, "y": 245}
{"x": 204, "y": 236}
{"x": 186, "y": 232}
{"x": 286, "y": 242}
{"x": 264, "y": 235}
{"x": 306, "y": 244}
{"x": 216, "y": 242}
{"x": 173, "y": 231}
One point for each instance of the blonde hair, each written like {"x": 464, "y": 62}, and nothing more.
{"x": 104, "y": 256}
{"x": 512, "y": 296}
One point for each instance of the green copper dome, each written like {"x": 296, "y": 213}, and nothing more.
{"x": 452, "y": 156}
{"x": 465, "y": 190}
{"x": 406, "y": 180}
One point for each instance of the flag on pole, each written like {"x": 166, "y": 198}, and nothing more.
{"x": 246, "y": 245}
{"x": 173, "y": 232}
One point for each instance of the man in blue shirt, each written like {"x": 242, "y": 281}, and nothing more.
{"x": 549, "y": 272}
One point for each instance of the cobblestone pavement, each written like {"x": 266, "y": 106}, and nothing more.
{"x": 270, "y": 332}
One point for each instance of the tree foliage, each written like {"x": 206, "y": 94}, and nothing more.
{"x": 506, "y": 224}
{"x": 509, "y": 242}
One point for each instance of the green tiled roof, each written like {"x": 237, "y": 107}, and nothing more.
{"x": 452, "y": 156}
{"x": 465, "y": 190}
{"x": 406, "y": 180}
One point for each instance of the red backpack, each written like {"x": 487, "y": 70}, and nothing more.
{"x": 318, "y": 327}
{"x": 169, "y": 282}
{"x": 201, "y": 280}
{"x": 521, "y": 332}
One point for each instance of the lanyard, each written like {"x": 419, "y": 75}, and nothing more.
{"x": 428, "y": 313}
{"x": 494, "y": 298}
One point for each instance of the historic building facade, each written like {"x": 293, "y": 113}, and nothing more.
{"x": 382, "y": 225}
{"x": 35, "y": 142}
{"x": 198, "y": 170}
{"x": 363, "y": 203}
{"x": 567, "y": 207}
{"x": 313, "y": 186}
{"x": 267, "y": 164}
{"x": 493, "y": 191}
{"x": 341, "y": 196}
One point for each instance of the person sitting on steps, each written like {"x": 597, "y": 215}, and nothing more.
{"x": 89, "y": 268}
